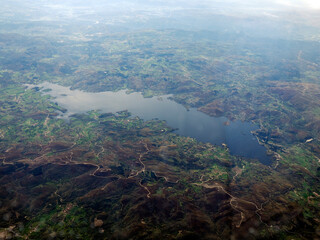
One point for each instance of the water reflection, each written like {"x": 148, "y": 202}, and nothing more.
{"x": 237, "y": 135}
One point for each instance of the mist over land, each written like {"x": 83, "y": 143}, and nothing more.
{"x": 247, "y": 71}
{"x": 279, "y": 19}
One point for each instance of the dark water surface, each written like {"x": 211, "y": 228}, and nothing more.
{"x": 237, "y": 135}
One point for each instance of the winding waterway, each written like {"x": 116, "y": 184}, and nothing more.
{"x": 192, "y": 123}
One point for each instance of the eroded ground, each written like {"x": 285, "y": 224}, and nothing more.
{"x": 111, "y": 176}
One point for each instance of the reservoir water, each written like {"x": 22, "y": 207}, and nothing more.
{"x": 192, "y": 123}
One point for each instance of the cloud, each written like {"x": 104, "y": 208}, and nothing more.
{"x": 313, "y": 4}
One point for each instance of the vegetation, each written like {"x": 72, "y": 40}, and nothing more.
{"x": 114, "y": 176}
{"x": 100, "y": 175}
